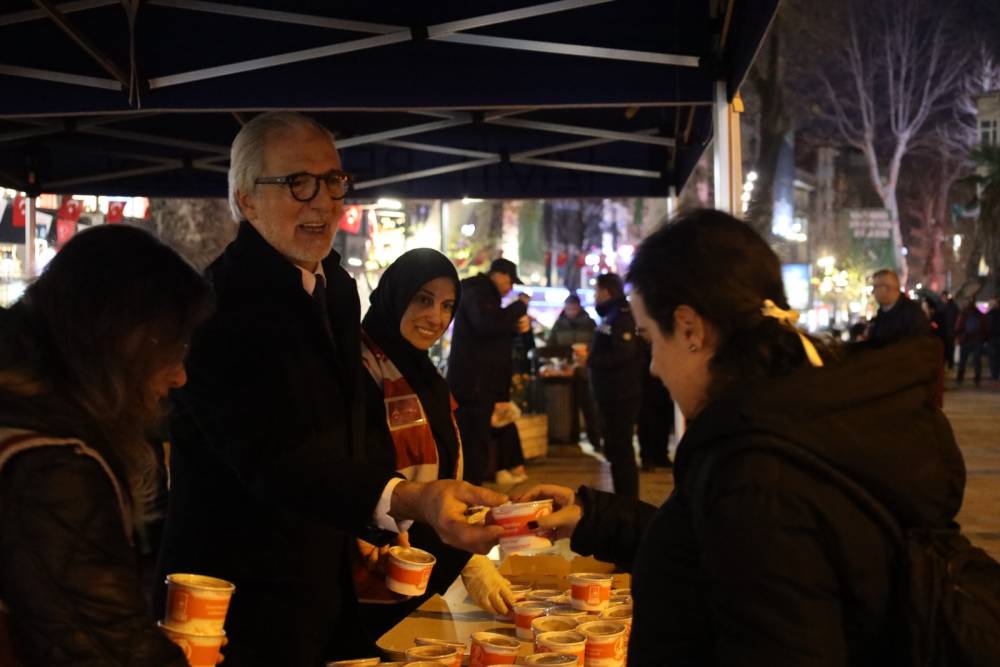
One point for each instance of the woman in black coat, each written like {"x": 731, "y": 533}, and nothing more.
{"x": 755, "y": 559}
{"x": 87, "y": 356}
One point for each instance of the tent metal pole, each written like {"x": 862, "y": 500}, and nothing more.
{"x": 583, "y": 131}
{"x": 722, "y": 152}
{"x": 581, "y": 50}
{"x": 29, "y": 236}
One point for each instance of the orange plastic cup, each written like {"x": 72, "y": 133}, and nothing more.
{"x": 606, "y": 646}
{"x": 197, "y": 604}
{"x": 490, "y": 648}
{"x": 566, "y": 610}
{"x": 620, "y": 614}
{"x": 554, "y": 659}
{"x": 433, "y": 641}
{"x": 551, "y": 624}
{"x": 200, "y": 650}
{"x": 570, "y": 642}
{"x": 409, "y": 570}
{"x": 356, "y": 662}
{"x": 524, "y": 613}
{"x": 591, "y": 592}
{"x": 514, "y": 519}
{"x": 440, "y": 653}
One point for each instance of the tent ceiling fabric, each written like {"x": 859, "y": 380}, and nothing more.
{"x": 443, "y": 99}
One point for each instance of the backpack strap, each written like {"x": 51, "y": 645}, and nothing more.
{"x": 15, "y": 441}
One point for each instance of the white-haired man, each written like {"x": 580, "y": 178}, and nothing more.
{"x": 269, "y": 477}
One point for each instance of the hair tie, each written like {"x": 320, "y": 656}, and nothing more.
{"x": 790, "y": 318}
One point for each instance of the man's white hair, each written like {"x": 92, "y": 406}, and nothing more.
{"x": 246, "y": 157}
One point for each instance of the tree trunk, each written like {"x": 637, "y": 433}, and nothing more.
{"x": 198, "y": 229}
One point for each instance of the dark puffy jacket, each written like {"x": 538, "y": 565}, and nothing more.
{"x": 615, "y": 360}
{"x": 569, "y": 330}
{"x": 68, "y": 574}
{"x": 480, "y": 364}
{"x": 778, "y": 566}
{"x": 905, "y": 318}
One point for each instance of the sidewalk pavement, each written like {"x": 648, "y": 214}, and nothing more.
{"x": 975, "y": 417}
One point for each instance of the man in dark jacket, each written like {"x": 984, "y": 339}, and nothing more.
{"x": 971, "y": 332}
{"x": 993, "y": 326}
{"x": 898, "y": 316}
{"x": 480, "y": 364}
{"x": 615, "y": 364}
{"x": 573, "y": 325}
{"x": 269, "y": 475}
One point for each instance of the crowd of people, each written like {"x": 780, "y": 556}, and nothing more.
{"x": 303, "y": 445}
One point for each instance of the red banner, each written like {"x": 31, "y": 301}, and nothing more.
{"x": 70, "y": 210}
{"x": 18, "y": 213}
{"x": 64, "y": 231}
{"x": 116, "y": 212}
{"x": 350, "y": 222}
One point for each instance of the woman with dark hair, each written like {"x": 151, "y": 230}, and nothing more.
{"x": 412, "y": 428}
{"x": 757, "y": 558}
{"x": 87, "y": 357}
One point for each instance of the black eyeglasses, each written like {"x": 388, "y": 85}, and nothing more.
{"x": 305, "y": 186}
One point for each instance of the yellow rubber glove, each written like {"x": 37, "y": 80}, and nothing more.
{"x": 487, "y": 587}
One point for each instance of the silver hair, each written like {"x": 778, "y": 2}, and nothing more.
{"x": 246, "y": 157}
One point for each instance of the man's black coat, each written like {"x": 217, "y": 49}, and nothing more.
{"x": 268, "y": 477}
{"x": 480, "y": 365}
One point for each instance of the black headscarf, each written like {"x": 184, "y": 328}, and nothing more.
{"x": 404, "y": 277}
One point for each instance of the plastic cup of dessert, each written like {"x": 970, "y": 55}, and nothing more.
{"x": 448, "y": 655}
{"x": 490, "y": 648}
{"x": 197, "y": 604}
{"x": 570, "y": 642}
{"x": 201, "y": 650}
{"x": 409, "y": 570}
{"x": 606, "y": 644}
{"x": 590, "y": 591}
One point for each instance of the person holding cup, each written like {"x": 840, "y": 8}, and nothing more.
{"x": 758, "y": 557}
{"x": 87, "y": 357}
{"x": 412, "y": 427}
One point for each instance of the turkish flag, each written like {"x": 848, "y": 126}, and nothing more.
{"x": 116, "y": 212}
{"x": 64, "y": 231}
{"x": 70, "y": 210}
{"x": 350, "y": 222}
{"x": 19, "y": 216}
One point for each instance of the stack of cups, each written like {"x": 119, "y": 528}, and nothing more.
{"x": 524, "y": 613}
{"x": 196, "y": 614}
{"x": 520, "y": 592}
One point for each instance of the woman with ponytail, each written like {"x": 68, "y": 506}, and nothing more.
{"x": 757, "y": 558}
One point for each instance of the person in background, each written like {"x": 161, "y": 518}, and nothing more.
{"x": 480, "y": 364}
{"x": 575, "y": 327}
{"x": 270, "y": 482}
{"x": 412, "y": 428}
{"x": 616, "y": 367}
{"x": 993, "y": 326}
{"x": 87, "y": 357}
{"x": 951, "y": 311}
{"x": 898, "y": 316}
{"x": 971, "y": 333}
{"x": 757, "y": 557}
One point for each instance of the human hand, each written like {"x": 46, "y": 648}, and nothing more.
{"x": 525, "y": 298}
{"x": 487, "y": 587}
{"x": 523, "y": 324}
{"x": 566, "y": 511}
{"x": 442, "y": 505}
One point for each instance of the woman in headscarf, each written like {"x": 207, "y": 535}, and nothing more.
{"x": 411, "y": 425}
{"x": 87, "y": 356}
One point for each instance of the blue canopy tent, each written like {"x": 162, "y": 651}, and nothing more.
{"x": 492, "y": 99}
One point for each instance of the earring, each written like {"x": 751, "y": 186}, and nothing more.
{"x": 692, "y": 348}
